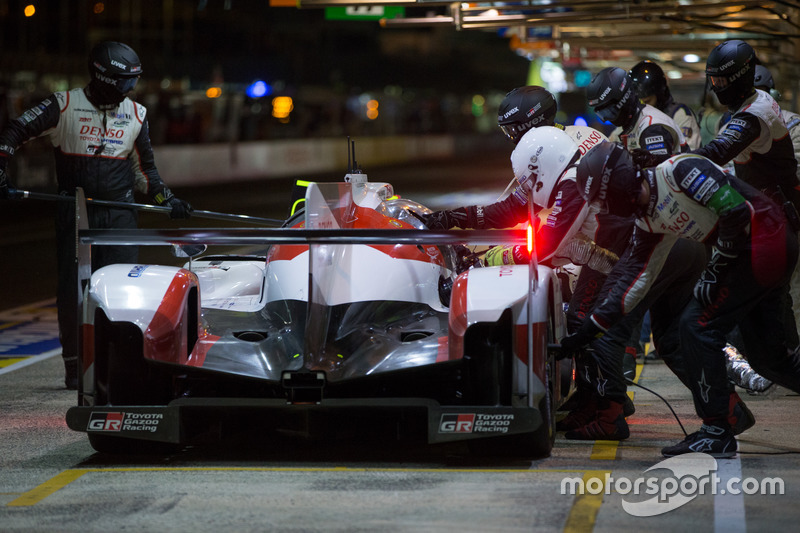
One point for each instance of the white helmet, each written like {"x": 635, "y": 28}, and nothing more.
{"x": 540, "y": 159}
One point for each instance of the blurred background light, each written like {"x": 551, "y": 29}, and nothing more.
{"x": 258, "y": 88}
{"x": 282, "y": 106}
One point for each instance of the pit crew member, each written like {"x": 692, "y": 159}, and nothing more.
{"x": 688, "y": 198}
{"x": 101, "y": 143}
{"x": 653, "y": 89}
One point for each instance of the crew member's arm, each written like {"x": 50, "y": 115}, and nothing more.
{"x": 31, "y": 124}
{"x": 626, "y": 285}
{"x": 735, "y": 136}
{"x": 148, "y": 180}
{"x": 656, "y": 145}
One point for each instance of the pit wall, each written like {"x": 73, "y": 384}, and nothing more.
{"x": 182, "y": 165}
{"x": 200, "y": 164}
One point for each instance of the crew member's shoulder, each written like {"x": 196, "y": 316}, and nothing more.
{"x": 584, "y": 134}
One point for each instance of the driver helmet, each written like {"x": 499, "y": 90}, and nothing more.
{"x": 730, "y": 69}
{"x": 540, "y": 159}
{"x": 524, "y": 108}
{"x": 114, "y": 68}
{"x": 607, "y": 175}
{"x": 649, "y": 80}
{"x": 612, "y": 95}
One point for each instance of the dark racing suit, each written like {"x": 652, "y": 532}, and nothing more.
{"x": 108, "y": 154}
{"x": 653, "y": 131}
{"x": 758, "y": 142}
{"x": 692, "y": 200}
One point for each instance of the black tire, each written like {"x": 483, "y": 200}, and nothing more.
{"x": 123, "y": 376}
{"x": 536, "y": 444}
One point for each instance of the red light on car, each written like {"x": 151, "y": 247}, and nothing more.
{"x": 530, "y": 239}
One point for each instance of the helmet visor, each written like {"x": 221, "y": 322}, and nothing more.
{"x": 126, "y": 85}
{"x": 718, "y": 83}
{"x": 513, "y": 131}
{"x": 608, "y": 113}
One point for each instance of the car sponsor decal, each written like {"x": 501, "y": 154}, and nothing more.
{"x": 475, "y": 423}
{"x": 137, "y": 271}
{"x": 119, "y": 421}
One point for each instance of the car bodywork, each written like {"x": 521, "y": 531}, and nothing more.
{"x": 321, "y": 328}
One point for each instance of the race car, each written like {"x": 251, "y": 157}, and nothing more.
{"x": 354, "y": 313}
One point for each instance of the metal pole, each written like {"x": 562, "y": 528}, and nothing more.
{"x": 16, "y": 193}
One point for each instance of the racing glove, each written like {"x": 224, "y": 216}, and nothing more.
{"x": 506, "y": 255}
{"x": 440, "y": 220}
{"x": 180, "y": 208}
{"x": 572, "y": 344}
{"x": 644, "y": 158}
{"x": 707, "y": 287}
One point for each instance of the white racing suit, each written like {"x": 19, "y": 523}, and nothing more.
{"x": 685, "y": 119}
{"x": 653, "y": 131}
{"x": 753, "y": 253}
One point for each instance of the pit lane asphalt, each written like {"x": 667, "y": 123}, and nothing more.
{"x": 51, "y": 479}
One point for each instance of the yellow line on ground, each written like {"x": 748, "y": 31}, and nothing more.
{"x": 604, "y": 450}
{"x": 10, "y": 325}
{"x": 47, "y": 488}
{"x": 584, "y": 510}
{"x": 54, "y": 484}
{"x": 4, "y": 362}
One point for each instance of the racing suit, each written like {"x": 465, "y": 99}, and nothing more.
{"x": 752, "y": 257}
{"x": 652, "y": 130}
{"x": 685, "y": 119}
{"x": 792, "y": 121}
{"x": 758, "y": 142}
{"x": 756, "y": 139}
{"x": 108, "y": 154}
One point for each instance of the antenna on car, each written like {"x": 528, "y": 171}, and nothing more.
{"x": 354, "y": 174}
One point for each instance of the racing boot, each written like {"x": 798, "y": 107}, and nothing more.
{"x": 627, "y": 407}
{"x": 583, "y": 413}
{"x": 608, "y": 424}
{"x": 739, "y": 416}
{"x": 716, "y": 440}
{"x": 71, "y": 373}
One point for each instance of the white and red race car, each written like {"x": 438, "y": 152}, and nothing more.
{"x": 354, "y": 313}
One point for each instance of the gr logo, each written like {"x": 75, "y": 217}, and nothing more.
{"x": 456, "y": 423}
{"x": 105, "y": 422}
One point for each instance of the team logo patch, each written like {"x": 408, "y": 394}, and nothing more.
{"x": 105, "y": 422}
